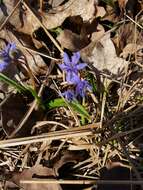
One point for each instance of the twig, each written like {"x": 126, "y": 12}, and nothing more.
{"x": 7, "y": 18}
{"x": 44, "y": 28}
{"x": 57, "y": 135}
{"x": 42, "y": 123}
{"x": 37, "y": 52}
{"x": 134, "y": 21}
{"x": 111, "y": 78}
{"x": 61, "y": 181}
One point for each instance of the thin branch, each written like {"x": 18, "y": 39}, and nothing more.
{"x": 8, "y": 17}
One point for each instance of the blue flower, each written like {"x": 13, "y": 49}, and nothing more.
{"x": 71, "y": 67}
{"x": 69, "y": 95}
{"x": 7, "y": 55}
{"x": 81, "y": 88}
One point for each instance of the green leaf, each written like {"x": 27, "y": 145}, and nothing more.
{"x": 92, "y": 81}
{"x": 13, "y": 83}
{"x": 57, "y": 30}
{"x": 35, "y": 95}
{"x": 79, "y": 109}
{"x": 20, "y": 88}
{"x": 75, "y": 105}
{"x": 56, "y": 103}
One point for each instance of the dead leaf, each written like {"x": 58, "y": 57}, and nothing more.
{"x": 69, "y": 157}
{"x": 96, "y": 36}
{"x": 85, "y": 8}
{"x": 122, "y": 4}
{"x": 100, "y": 11}
{"x": 103, "y": 56}
{"x": 35, "y": 172}
{"x": 30, "y": 24}
{"x": 72, "y": 41}
{"x": 126, "y": 35}
{"x": 35, "y": 61}
{"x": 6, "y": 7}
{"x": 130, "y": 49}
{"x": 12, "y": 112}
{"x": 40, "y": 172}
{"x": 117, "y": 172}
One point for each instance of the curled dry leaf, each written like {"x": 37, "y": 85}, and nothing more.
{"x": 69, "y": 157}
{"x": 132, "y": 48}
{"x": 122, "y": 4}
{"x": 100, "y": 11}
{"x": 72, "y": 41}
{"x": 75, "y": 42}
{"x": 35, "y": 61}
{"x": 34, "y": 173}
{"x": 85, "y": 8}
{"x": 40, "y": 172}
{"x": 102, "y": 55}
{"x": 22, "y": 19}
{"x": 115, "y": 172}
{"x": 12, "y": 112}
{"x": 29, "y": 23}
{"x": 7, "y": 7}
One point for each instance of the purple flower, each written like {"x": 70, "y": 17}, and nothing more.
{"x": 72, "y": 66}
{"x": 69, "y": 95}
{"x": 81, "y": 88}
{"x": 7, "y": 55}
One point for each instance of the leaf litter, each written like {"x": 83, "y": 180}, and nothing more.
{"x": 71, "y": 103}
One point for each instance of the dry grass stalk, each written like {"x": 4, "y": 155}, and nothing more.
{"x": 57, "y": 135}
{"x": 8, "y": 17}
{"x": 45, "y": 29}
{"x": 54, "y": 181}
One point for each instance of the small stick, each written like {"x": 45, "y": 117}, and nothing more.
{"x": 118, "y": 135}
{"x": 44, "y": 28}
{"x": 57, "y": 135}
{"x": 134, "y": 21}
{"x": 83, "y": 182}
{"x": 7, "y": 18}
{"x": 37, "y": 52}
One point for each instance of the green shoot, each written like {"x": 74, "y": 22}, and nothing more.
{"x": 75, "y": 105}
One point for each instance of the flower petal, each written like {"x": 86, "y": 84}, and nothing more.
{"x": 66, "y": 58}
{"x": 89, "y": 87}
{"x": 3, "y": 65}
{"x": 72, "y": 77}
{"x": 63, "y": 67}
{"x": 81, "y": 66}
{"x": 69, "y": 95}
{"x": 75, "y": 58}
{"x": 82, "y": 87}
{"x": 10, "y": 47}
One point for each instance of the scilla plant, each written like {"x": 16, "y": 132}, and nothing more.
{"x": 78, "y": 87}
{"x": 8, "y": 56}
{"x": 72, "y": 68}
